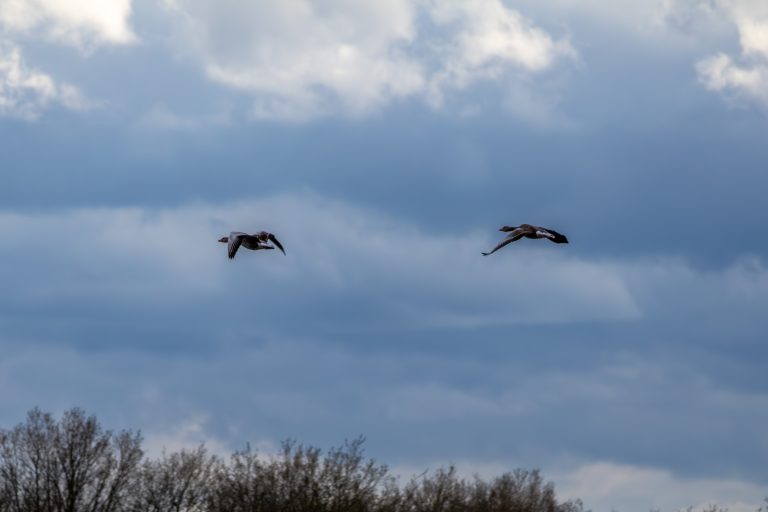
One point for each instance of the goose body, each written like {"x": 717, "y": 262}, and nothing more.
{"x": 527, "y": 231}
{"x": 255, "y": 242}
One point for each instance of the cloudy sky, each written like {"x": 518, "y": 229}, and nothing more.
{"x": 385, "y": 143}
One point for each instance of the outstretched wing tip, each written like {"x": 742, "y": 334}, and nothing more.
{"x": 275, "y": 241}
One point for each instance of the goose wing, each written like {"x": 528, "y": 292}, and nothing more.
{"x": 275, "y": 241}
{"x": 512, "y": 237}
{"x": 552, "y": 235}
{"x": 235, "y": 239}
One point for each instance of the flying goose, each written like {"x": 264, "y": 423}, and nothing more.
{"x": 528, "y": 231}
{"x": 254, "y": 242}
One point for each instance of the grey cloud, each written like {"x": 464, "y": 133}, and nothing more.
{"x": 370, "y": 325}
{"x": 132, "y": 261}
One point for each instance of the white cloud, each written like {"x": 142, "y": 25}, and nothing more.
{"x": 83, "y": 24}
{"x": 720, "y": 73}
{"x": 692, "y": 24}
{"x": 754, "y": 36}
{"x": 299, "y": 57}
{"x": 186, "y": 435}
{"x": 80, "y": 23}
{"x": 487, "y": 38}
{"x": 607, "y": 486}
{"x": 744, "y": 76}
{"x": 302, "y": 59}
{"x": 25, "y": 92}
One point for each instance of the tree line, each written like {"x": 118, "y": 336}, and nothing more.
{"x": 74, "y": 465}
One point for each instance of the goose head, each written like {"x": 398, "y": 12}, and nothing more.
{"x": 224, "y": 239}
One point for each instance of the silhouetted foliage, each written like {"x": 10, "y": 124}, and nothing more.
{"x": 73, "y": 465}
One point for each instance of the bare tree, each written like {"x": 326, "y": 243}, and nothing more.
{"x": 350, "y": 481}
{"x": 299, "y": 479}
{"x": 444, "y": 491}
{"x": 441, "y": 492}
{"x": 69, "y": 466}
{"x": 75, "y": 466}
{"x": 240, "y": 486}
{"x": 178, "y": 482}
{"x": 288, "y": 481}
